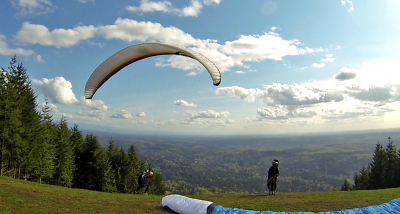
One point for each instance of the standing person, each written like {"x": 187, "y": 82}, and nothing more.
{"x": 142, "y": 181}
{"x": 273, "y": 174}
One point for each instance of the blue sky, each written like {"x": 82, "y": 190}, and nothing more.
{"x": 287, "y": 66}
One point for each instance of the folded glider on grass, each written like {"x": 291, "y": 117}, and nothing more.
{"x": 184, "y": 205}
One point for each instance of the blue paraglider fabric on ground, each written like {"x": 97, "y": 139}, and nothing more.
{"x": 392, "y": 207}
{"x": 182, "y": 204}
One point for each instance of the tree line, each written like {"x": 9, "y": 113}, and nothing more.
{"x": 36, "y": 148}
{"x": 382, "y": 172}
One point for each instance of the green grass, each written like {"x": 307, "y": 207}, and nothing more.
{"x": 18, "y": 196}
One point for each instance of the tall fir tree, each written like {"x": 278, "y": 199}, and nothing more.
{"x": 30, "y": 117}
{"x": 65, "y": 163}
{"x": 156, "y": 185}
{"x": 13, "y": 127}
{"x": 105, "y": 175}
{"x": 135, "y": 167}
{"x": 44, "y": 150}
{"x": 391, "y": 165}
{"x": 361, "y": 179}
{"x": 378, "y": 168}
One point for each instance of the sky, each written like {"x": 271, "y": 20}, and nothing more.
{"x": 287, "y": 66}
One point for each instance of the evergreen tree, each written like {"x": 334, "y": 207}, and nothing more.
{"x": 105, "y": 175}
{"x": 3, "y": 121}
{"x": 112, "y": 153}
{"x": 77, "y": 142}
{"x": 86, "y": 176}
{"x": 44, "y": 151}
{"x": 12, "y": 126}
{"x": 346, "y": 185}
{"x": 134, "y": 168}
{"x": 156, "y": 185}
{"x": 65, "y": 166}
{"x": 30, "y": 118}
{"x": 377, "y": 165}
{"x": 361, "y": 180}
{"x": 391, "y": 165}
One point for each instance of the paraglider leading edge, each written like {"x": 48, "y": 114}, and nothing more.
{"x": 134, "y": 53}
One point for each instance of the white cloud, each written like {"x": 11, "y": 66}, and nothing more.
{"x": 184, "y": 103}
{"x": 140, "y": 114}
{"x": 98, "y": 114}
{"x": 206, "y": 114}
{"x": 122, "y": 115}
{"x": 192, "y": 74}
{"x": 232, "y": 53}
{"x": 280, "y": 113}
{"x": 318, "y": 65}
{"x": 39, "y": 58}
{"x": 209, "y": 2}
{"x": 39, "y": 34}
{"x": 148, "y": 6}
{"x": 193, "y": 9}
{"x": 94, "y": 104}
{"x": 346, "y": 74}
{"x": 243, "y": 93}
{"x": 329, "y": 58}
{"x": 352, "y": 98}
{"x": 59, "y": 90}
{"x": 344, "y": 2}
{"x": 33, "y": 7}
{"x": 7, "y": 51}
{"x": 239, "y": 72}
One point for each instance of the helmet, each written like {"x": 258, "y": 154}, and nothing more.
{"x": 275, "y": 162}
{"x": 151, "y": 174}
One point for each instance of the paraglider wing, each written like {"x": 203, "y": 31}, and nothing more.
{"x": 134, "y": 53}
{"x": 184, "y": 205}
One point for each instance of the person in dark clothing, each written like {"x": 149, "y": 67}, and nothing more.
{"x": 273, "y": 174}
{"x": 142, "y": 181}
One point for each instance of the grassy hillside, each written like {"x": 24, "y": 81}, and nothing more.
{"x": 26, "y": 197}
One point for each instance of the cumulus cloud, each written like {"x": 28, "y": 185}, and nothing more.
{"x": 122, "y": 115}
{"x": 39, "y": 34}
{"x": 232, "y": 53}
{"x": 243, "y": 93}
{"x": 206, "y": 114}
{"x": 148, "y": 6}
{"x": 202, "y": 122}
{"x": 39, "y": 58}
{"x": 346, "y": 74}
{"x": 94, "y": 104}
{"x": 192, "y": 74}
{"x": 361, "y": 111}
{"x": 329, "y": 58}
{"x": 306, "y": 100}
{"x": 281, "y": 114}
{"x": 184, "y": 103}
{"x": 97, "y": 114}
{"x": 7, "y": 51}
{"x": 140, "y": 114}
{"x": 344, "y": 2}
{"x": 33, "y": 7}
{"x": 318, "y": 65}
{"x": 59, "y": 90}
